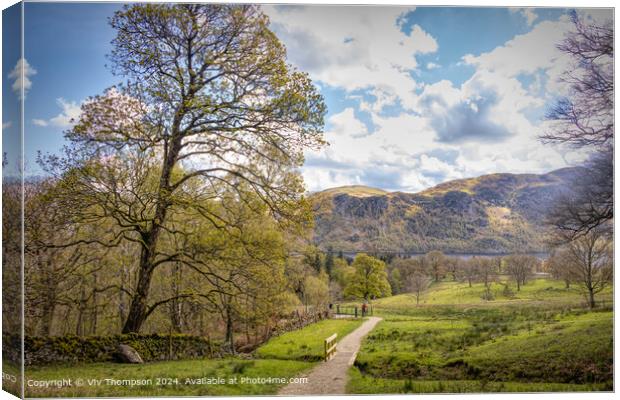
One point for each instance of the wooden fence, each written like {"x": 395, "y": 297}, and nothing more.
{"x": 330, "y": 346}
{"x": 354, "y": 311}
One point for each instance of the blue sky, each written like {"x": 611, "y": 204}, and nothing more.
{"x": 415, "y": 96}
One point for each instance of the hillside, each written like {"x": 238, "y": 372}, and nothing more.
{"x": 490, "y": 213}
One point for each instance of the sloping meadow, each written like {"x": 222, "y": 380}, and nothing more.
{"x": 540, "y": 341}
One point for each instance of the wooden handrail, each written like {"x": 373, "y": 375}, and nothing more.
{"x": 330, "y": 346}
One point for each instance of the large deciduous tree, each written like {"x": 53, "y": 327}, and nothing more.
{"x": 556, "y": 266}
{"x": 589, "y": 261}
{"x": 436, "y": 262}
{"x": 584, "y": 118}
{"x": 520, "y": 267}
{"x": 209, "y": 105}
{"x": 417, "y": 282}
{"x": 369, "y": 280}
{"x": 486, "y": 271}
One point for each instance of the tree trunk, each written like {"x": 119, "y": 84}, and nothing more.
{"x": 138, "y": 308}
{"x": 79, "y": 329}
{"x": 94, "y": 312}
{"x": 229, "y": 330}
{"x": 47, "y": 318}
{"x": 175, "y": 306}
{"x": 591, "y": 301}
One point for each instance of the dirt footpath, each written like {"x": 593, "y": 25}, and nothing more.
{"x": 331, "y": 377}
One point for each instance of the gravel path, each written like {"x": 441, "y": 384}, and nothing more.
{"x": 331, "y": 377}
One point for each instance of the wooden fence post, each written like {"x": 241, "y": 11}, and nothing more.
{"x": 330, "y": 346}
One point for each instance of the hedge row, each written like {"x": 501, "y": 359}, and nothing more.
{"x": 77, "y": 349}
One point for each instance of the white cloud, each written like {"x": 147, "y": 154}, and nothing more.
{"x": 383, "y": 158}
{"x": 21, "y": 74}
{"x": 6, "y": 125}
{"x": 70, "y": 112}
{"x": 528, "y": 13}
{"x": 529, "y": 53}
{"x": 412, "y": 152}
{"x": 354, "y": 48}
{"x": 483, "y": 126}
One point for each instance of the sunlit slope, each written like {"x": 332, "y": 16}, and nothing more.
{"x": 491, "y": 213}
{"x": 540, "y": 338}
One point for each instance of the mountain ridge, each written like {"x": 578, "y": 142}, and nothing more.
{"x": 494, "y": 213}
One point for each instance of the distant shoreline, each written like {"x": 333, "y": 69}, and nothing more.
{"x": 351, "y": 254}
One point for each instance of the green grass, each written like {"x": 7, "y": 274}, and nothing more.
{"x": 307, "y": 344}
{"x": 283, "y": 357}
{"x": 364, "y": 384}
{"x": 179, "y": 370}
{"x": 572, "y": 349}
{"x": 537, "y": 339}
{"x": 548, "y": 291}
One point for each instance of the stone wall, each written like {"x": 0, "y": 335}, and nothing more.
{"x": 78, "y": 349}
{"x": 297, "y": 320}
{"x": 73, "y": 349}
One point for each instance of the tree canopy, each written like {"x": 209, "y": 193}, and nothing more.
{"x": 210, "y": 108}
{"x": 369, "y": 279}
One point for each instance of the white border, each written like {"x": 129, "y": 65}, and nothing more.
{"x": 483, "y": 3}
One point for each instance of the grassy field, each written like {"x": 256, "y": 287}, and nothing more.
{"x": 304, "y": 344}
{"x": 537, "y": 339}
{"x": 281, "y": 358}
{"x": 550, "y": 293}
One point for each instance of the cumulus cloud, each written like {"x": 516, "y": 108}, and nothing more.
{"x": 444, "y": 131}
{"x": 487, "y": 108}
{"x": 20, "y": 75}
{"x": 387, "y": 157}
{"x": 466, "y": 131}
{"x": 70, "y": 112}
{"x": 470, "y": 119}
{"x": 354, "y": 48}
{"x": 529, "y": 53}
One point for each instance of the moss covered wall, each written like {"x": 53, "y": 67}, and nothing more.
{"x": 77, "y": 349}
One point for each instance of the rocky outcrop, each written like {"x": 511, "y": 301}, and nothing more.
{"x": 494, "y": 213}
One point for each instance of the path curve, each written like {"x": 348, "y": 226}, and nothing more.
{"x": 331, "y": 377}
